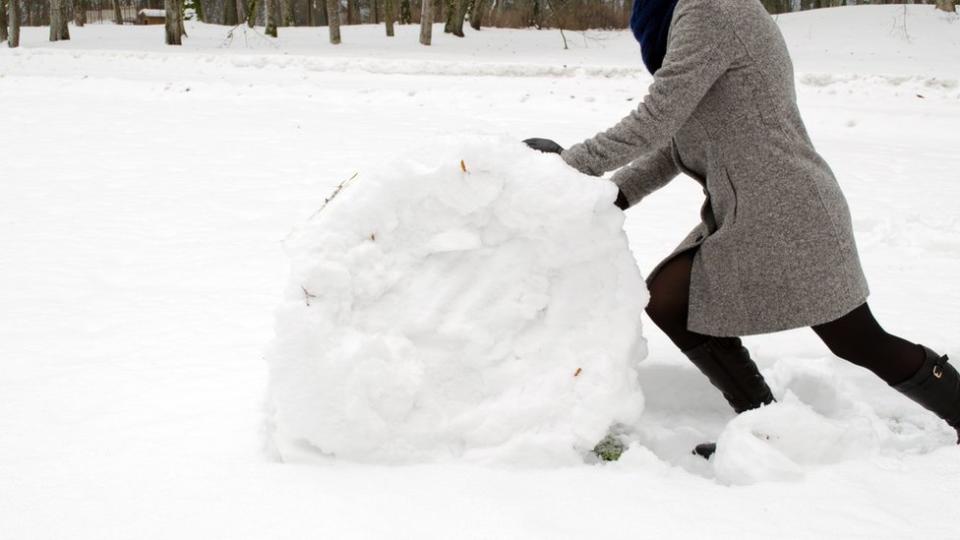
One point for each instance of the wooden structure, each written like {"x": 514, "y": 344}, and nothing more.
{"x": 151, "y": 16}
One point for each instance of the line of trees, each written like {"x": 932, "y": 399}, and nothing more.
{"x": 571, "y": 14}
{"x": 274, "y": 14}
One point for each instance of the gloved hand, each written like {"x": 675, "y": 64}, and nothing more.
{"x": 621, "y": 202}
{"x": 544, "y": 145}
{"x": 549, "y": 147}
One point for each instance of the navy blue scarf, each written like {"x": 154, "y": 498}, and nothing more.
{"x": 650, "y": 23}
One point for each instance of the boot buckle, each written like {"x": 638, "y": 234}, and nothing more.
{"x": 938, "y": 367}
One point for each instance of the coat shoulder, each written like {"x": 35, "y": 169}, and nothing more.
{"x": 717, "y": 11}
{"x": 728, "y": 15}
{"x": 713, "y": 20}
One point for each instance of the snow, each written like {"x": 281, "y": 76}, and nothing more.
{"x": 476, "y": 303}
{"x": 138, "y": 295}
{"x": 153, "y": 12}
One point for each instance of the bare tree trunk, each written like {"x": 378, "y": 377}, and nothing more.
{"x": 117, "y": 12}
{"x": 241, "y": 11}
{"x": 230, "y": 17}
{"x": 180, "y": 26}
{"x": 13, "y": 40}
{"x": 286, "y": 13}
{"x": 476, "y": 14}
{"x": 3, "y": 20}
{"x": 426, "y": 22}
{"x": 270, "y": 8}
{"x": 251, "y": 9}
{"x": 406, "y": 17}
{"x": 324, "y": 16}
{"x": 950, "y": 6}
{"x": 458, "y": 13}
{"x": 37, "y": 13}
{"x": 375, "y": 11}
{"x": 333, "y": 20}
{"x": 58, "y": 21}
{"x": 353, "y": 15}
{"x": 79, "y": 12}
{"x": 172, "y": 32}
{"x": 389, "y": 15}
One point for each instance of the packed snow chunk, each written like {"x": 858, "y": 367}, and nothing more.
{"x": 478, "y": 303}
{"x": 781, "y": 441}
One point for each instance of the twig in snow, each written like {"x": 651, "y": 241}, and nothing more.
{"x": 307, "y": 295}
{"x": 336, "y": 192}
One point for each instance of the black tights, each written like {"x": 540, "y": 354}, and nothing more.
{"x": 856, "y": 337}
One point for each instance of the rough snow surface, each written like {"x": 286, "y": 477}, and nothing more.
{"x": 138, "y": 292}
{"x": 479, "y": 302}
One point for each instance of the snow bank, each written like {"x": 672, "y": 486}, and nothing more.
{"x": 480, "y": 303}
{"x": 821, "y": 419}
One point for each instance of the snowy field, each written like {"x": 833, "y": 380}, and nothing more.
{"x": 145, "y": 193}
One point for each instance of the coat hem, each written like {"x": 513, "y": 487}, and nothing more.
{"x": 800, "y": 322}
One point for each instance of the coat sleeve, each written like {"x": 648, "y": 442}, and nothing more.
{"x": 646, "y": 174}
{"x": 701, "y": 48}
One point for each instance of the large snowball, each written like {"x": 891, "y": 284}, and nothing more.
{"x": 491, "y": 314}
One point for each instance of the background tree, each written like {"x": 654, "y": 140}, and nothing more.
{"x": 286, "y": 13}
{"x": 449, "y": 10}
{"x": 777, "y": 6}
{"x": 426, "y": 22}
{"x": 117, "y": 12}
{"x": 389, "y": 13}
{"x": 476, "y": 12}
{"x": 406, "y": 15}
{"x": 950, "y": 6}
{"x": 270, "y": 15}
{"x": 172, "y": 29}
{"x": 181, "y": 29}
{"x": 13, "y": 40}
{"x": 230, "y": 16}
{"x": 251, "y": 11}
{"x": 333, "y": 14}
{"x": 58, "y": 21}
{"x": 353, "y": 12}
{"x": 324, "y": 12}
{"x": 456, "y": 12}
{"x": 197, "y": 7}
{"x": 3, "y": 20}
{"x": 79, "y": 12}
{"x": 241, "y": 11}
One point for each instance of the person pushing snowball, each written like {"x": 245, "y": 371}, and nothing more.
{"x": 775, "y": 248}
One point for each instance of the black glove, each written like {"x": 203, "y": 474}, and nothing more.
{"x": 544, "y": 145}
{"x": 621, "y": 201}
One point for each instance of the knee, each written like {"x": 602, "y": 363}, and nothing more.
{"x": 842, "y": 349}
{"x": 668, "y": 311}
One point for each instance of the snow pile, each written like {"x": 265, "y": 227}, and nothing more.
{"x": 821, "y": 419}
{"x": 478, "y": 304}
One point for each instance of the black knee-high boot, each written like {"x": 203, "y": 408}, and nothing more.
{"x": 728, "y": 366}
{"x": 936, "y": 386}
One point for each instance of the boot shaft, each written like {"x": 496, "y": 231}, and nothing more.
{"x": 728, "y": 366}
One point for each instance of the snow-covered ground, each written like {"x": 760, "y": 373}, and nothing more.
{"x": 138, "y": 289}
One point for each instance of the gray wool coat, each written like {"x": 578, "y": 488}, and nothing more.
{"x": 775, "y": 248}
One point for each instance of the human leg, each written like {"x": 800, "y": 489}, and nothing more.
{"x": 914, "y": 370}
{"x": 669, "y": 304}
{"x": 858, "y": 338}
{"x": 724, "y": 360}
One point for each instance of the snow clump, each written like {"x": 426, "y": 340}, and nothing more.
{"x": 479, "y": 303}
